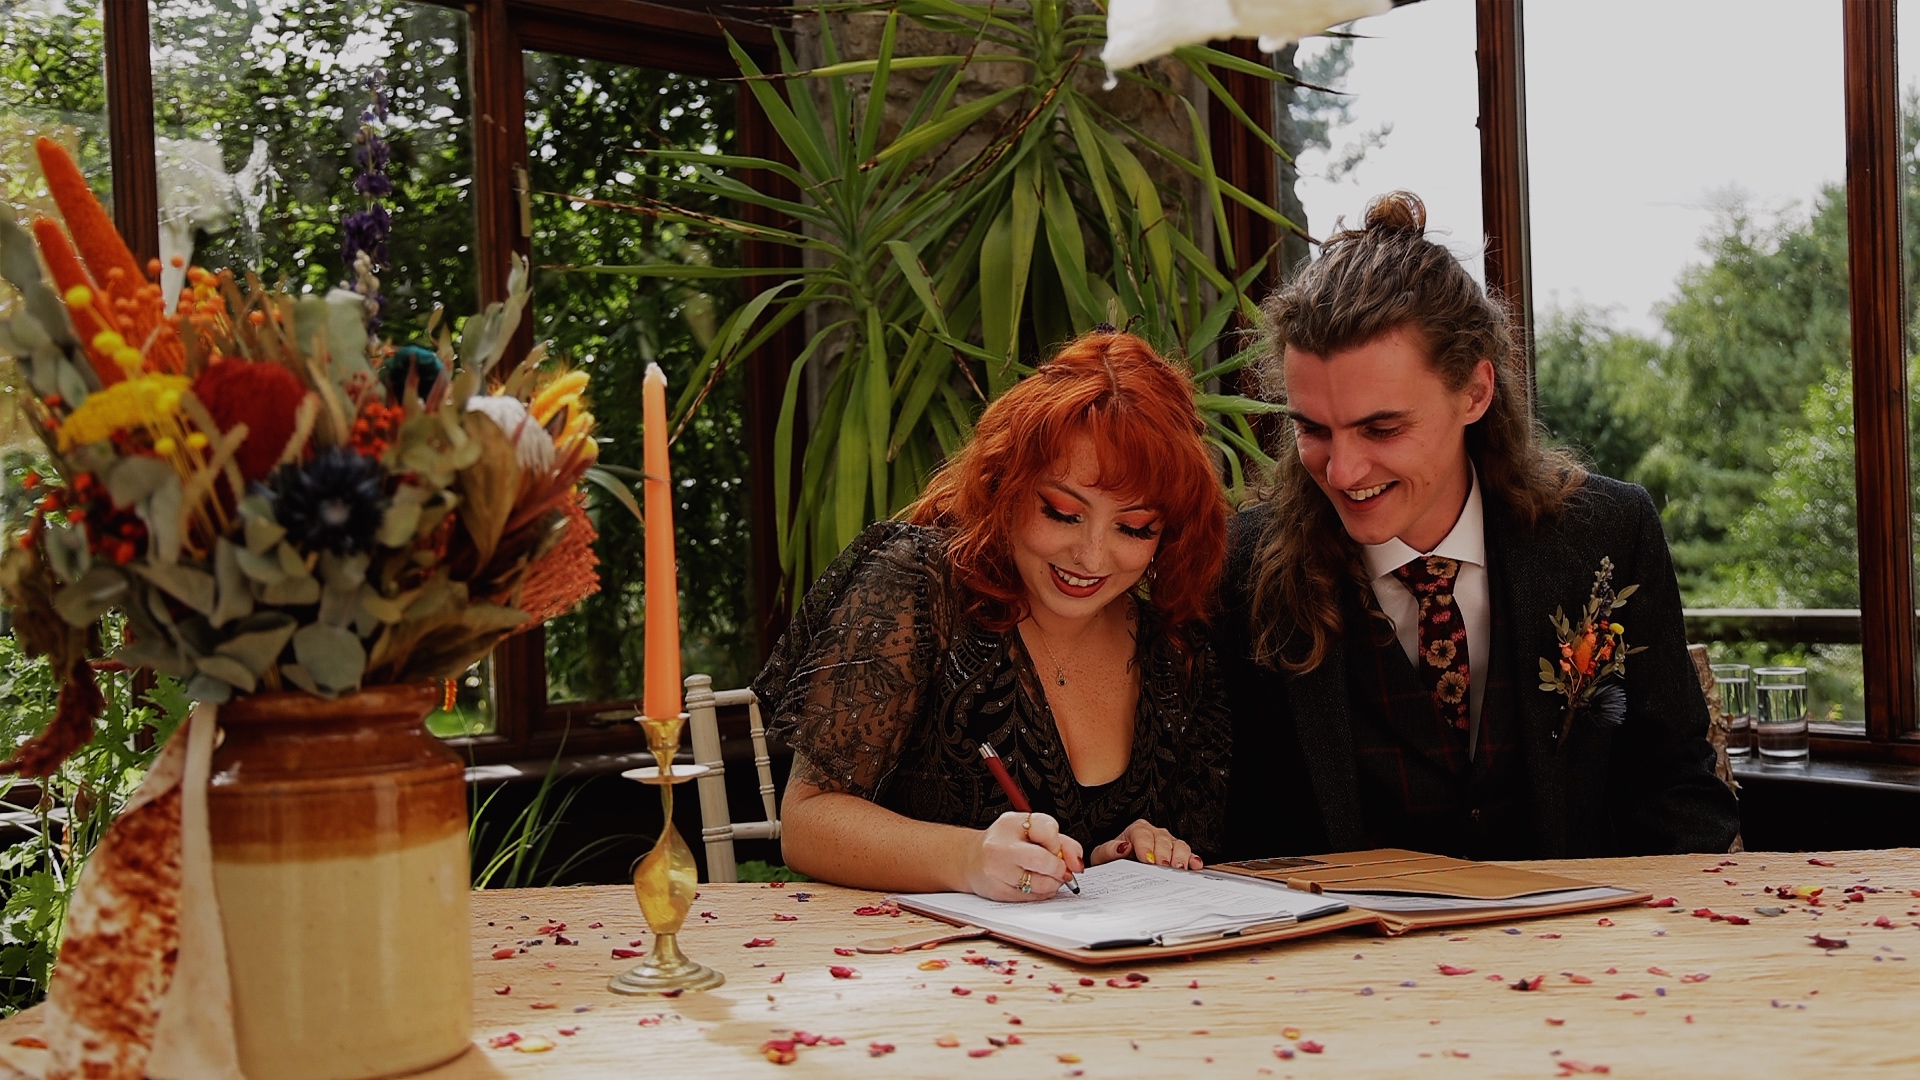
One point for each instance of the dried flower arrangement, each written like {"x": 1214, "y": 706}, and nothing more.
{"x": 270, "y": 495}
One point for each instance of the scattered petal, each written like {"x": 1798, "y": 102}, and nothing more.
{"x": 934, "y": 964}
{"x": 501, "y": 1042}
{"x": 841, "y": 950}
{"x": 1526, "y": 984}
{"x": 503, "y": 990}
{"x": 1290, "y": 1033}
{"x": 1604, "y": 921}
{"x": 947, "y": 1041}
{"x": 777, "y": 917}
{"x": 879, "y": 1049}
{"x": 980, "y": 1051}
{"x": 780, "y": 1051}
{"x": 782, "y": 977}
{"x": 1449, "y": 969}
{"x": 1580, "y": 980}
{"x": 628, "y": 954}
{"x": 1665, "y": 901}
{"x": 758, "y": 943}
{"x": 1308, "y": 1046}
{"x": 545, "y": 1005}
{"x": 1822, "y": 941}
{"x": 1067, "y": 1059}
{"x": 534, "y": 1045}
{"x": 1556, "y": 1021}
{"x": 504, "y": 954}
{"x": 961, "y": 991}
{"x": 1818, "y": 862}
{"x": 839, "y": 972}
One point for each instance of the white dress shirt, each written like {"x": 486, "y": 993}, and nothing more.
{"x": 1467, "y": 545}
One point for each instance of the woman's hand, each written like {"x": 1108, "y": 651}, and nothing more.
{"x": 1150, "y": 844}
{"x": 1023, "y": 857}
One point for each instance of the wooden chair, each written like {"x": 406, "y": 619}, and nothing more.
{"x": 718, "y": 828}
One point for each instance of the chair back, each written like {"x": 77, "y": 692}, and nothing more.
{"x": 718, "y": 829}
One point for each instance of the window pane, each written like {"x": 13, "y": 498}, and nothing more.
{"x": 53, "y": 83}
{"x": 1406, "y": 119}
{"x": 1690, "y": 280}
{"x": 588, "y": 124}
{"x": 256, "y": 105}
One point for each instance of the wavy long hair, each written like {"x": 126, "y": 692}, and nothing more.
{"x": 1370, "y": 281}
{"x": 1137, "y": 409}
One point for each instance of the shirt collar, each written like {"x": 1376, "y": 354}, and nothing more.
{"x": 1466, "y": 542}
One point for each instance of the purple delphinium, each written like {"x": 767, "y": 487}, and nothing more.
{"x": 366, "y": 229}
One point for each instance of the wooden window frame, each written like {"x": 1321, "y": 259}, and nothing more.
{"x": 688, "y": 37}
{"x": 1876, "y": 276}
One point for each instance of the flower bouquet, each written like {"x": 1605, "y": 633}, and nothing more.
{"x": 273, "y": 500}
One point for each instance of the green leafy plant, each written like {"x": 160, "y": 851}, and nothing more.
{"x": 938, "y": 257}
{"x": 518, "y": 858}
{"x": 53, "y": 825}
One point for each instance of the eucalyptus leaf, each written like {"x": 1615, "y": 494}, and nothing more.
{"x": 227, "y": 670}
{"x": 333, "y": 657}
{"x": 263, "y": 567}
{"x": 97, "y": 591}
{"x": 298, "y": 676}
{"x": 161, "y": 512}
{"x": 234, "y": 596}
{"x": 131, "y": 479}
{"x": 291, "y": 591}
{"x": 190, "y": 586}
{"x": 260, "y": 640}
{"x": 262, "y": 531}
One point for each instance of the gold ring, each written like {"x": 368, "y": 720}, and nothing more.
{"x": 1027, "y": 825}
{"x": 1026, "y": 882}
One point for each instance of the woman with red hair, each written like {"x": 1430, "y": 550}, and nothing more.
{"x": 1044, "y": 598}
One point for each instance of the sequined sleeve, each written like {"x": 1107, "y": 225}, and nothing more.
{"x": 847, "y": 680}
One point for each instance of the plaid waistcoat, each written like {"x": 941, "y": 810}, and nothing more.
{"x": 1417, "y": 787}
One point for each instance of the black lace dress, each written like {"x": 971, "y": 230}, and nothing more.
{"x": 886, "y": 688}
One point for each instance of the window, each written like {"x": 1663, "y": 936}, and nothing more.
{"x": 1402, "y": 117}
{"x": 1690, "y": 292}
{"x": 52, "y": 83}
{"x": 590, "y": 125}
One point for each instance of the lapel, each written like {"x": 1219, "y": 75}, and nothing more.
{"x": 1531, "y": 569}
{"x": 1326, "y": 740}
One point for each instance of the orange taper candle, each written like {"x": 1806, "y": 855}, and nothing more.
{"x": 662, "y": 674}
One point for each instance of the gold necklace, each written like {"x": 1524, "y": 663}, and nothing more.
{"x": 1059, "y": 673}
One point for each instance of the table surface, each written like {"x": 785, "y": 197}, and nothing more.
{"x": 1638, "y": 991}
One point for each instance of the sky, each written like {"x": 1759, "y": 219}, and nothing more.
{"x": 1642, "y": 118}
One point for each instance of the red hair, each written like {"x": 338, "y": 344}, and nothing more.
{"x": 1138, "y": 411}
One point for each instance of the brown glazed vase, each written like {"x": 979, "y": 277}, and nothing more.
{"x": 340, "y": 859}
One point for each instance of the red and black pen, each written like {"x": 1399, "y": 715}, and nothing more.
{"x": 1019, "y": 801}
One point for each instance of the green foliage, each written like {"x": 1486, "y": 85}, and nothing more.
{"x": 939, "y": 257}
{"x": 762, "y": 870}
{"x": 55, "y": 828}
{"x": 284, "y": 83}
{"x": 586, "y": 121}
{"x": 52, "y": 82}
{"x": 517, "y": 857}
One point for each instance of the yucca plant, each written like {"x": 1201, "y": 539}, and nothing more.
{"x": 936, "y": 276}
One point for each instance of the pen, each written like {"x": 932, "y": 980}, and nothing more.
{"x": 1020, "y": 805}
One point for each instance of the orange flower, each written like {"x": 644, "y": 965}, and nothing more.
{"x": 1583, "y": 648}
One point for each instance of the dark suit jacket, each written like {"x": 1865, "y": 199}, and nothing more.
{"x": 1645, "y": 787}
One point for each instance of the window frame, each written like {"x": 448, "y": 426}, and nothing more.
{"x": 688, "y": 36}
{"x": 1876, "y": 280}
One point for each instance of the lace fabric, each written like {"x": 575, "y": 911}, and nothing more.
{"x": 885, "y": 690}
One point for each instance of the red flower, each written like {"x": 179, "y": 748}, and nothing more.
{"x": 264, "y": 396}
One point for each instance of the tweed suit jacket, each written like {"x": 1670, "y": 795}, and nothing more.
{"x": 1644, "y": 787}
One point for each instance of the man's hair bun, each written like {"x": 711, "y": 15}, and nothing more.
{"x": 1397, "y": 212}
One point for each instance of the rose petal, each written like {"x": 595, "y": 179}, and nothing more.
{"x": 1449, "y": 969}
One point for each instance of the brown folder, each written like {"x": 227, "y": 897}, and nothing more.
{"x": 1384, "y": 870}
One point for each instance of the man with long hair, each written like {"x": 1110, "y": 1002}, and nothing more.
{"x": 1437, "y": 632}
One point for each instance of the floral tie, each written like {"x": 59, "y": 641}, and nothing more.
{"x": 1443, "y": 635}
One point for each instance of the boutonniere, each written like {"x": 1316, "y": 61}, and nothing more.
{"x": 1592, "y": 663}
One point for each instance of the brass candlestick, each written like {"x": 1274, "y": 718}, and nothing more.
{"x": 664, "y": 882}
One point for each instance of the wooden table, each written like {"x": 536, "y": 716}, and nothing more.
{"x": 1638, "y": 991}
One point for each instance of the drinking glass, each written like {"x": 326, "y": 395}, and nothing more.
{"x": 1736, "y": 704}
{"x": 1780, "y": 715}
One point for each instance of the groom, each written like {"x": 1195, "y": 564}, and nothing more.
{"x": 1389, "y": 605}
